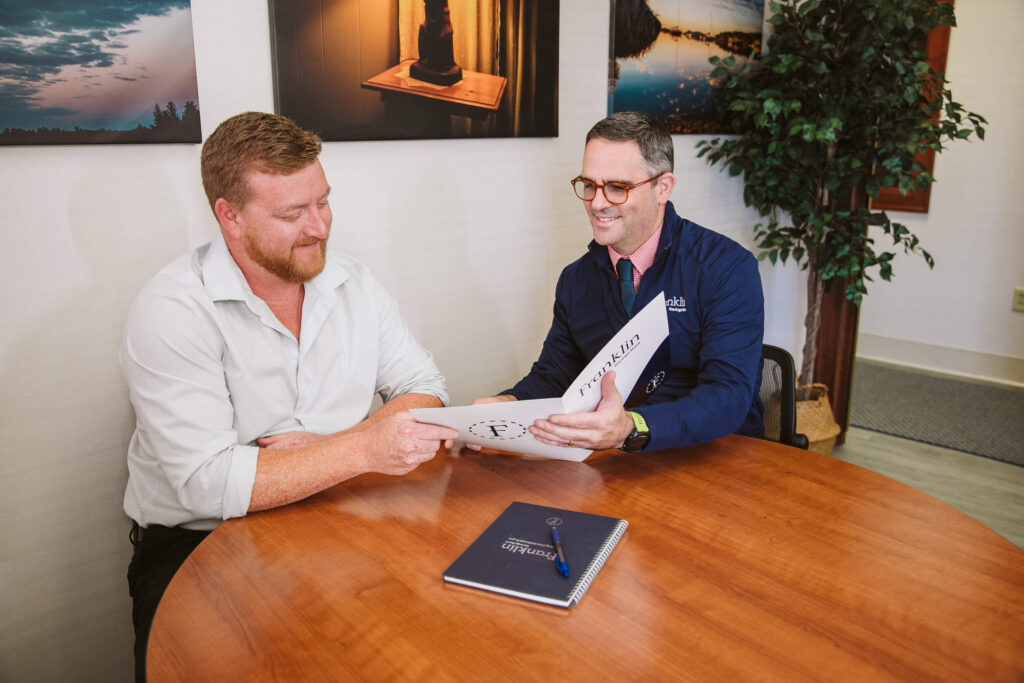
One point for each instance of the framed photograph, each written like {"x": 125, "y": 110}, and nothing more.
{"x": 659, "y": 51}
{"x": 404, "y": 69}
{"x": 98, "y": 72}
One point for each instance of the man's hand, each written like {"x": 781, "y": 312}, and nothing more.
{"x": 291, "y": 440}
{"x": 606, "y": 427}
{"x": 500, "y": 398}
{"x": 398, "y": 444}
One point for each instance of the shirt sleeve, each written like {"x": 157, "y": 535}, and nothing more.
{"x": 404, "y": 366}
{"x": 171, "y": 360}
{"x": 732, "y": 330}
{"x": 561, "y": 359}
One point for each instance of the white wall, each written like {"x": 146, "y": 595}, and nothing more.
{"x": 469, "y": 234}
{"x": 957, "y": 317}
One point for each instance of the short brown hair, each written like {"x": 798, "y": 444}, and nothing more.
{"x": 649, "y": 133}
{"x": 253, "y": 141}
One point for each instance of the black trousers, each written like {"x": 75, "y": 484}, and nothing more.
{"x": 159, "y": 551}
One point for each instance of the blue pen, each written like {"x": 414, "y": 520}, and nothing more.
{"x": 560, "y": 564}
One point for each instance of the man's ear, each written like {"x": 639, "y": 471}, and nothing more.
{"x": 665, "y": 184}
{"x": 228, "y": 217}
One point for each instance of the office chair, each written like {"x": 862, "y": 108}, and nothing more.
{"x": 778, "y": 393}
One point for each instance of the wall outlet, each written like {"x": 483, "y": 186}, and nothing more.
{"x": 1018, "y": 299}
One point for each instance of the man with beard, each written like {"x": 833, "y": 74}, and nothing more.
{"x": 252, "y": 362}
{"x": 641, "y": 247}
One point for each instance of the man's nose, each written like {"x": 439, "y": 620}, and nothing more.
{"x": 319, "y": 224}
{"x": 600, "y": 201}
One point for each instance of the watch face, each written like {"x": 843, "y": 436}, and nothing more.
{"x": 635, "y": 441}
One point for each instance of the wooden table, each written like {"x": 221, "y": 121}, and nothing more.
{"x": 743, "y": 560}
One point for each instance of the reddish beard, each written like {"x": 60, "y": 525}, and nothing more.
{"x": 290, "y": 269}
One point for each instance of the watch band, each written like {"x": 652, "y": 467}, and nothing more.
{"x": 639, "y": 437}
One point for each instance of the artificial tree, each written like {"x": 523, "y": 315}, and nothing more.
{"x": 839, "y": 105}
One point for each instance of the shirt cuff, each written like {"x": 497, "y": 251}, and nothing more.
{"x": 241, "y": 478}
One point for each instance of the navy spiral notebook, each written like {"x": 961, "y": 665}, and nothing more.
{"x": 516, "y": 556}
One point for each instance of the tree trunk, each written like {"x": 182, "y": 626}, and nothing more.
{"x": 837, "y": 348}
{"x": 811, "y": 321}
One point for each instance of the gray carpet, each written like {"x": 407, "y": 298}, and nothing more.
{"x": 973, "y": 417}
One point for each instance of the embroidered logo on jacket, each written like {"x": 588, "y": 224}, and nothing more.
{"x": 655, "y": 382}
{"x": 676, "y": 304}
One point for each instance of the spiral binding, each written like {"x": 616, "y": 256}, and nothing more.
{"x": 595, "y": 564}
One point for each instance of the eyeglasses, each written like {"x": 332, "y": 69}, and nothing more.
{"x": 615, "y": 193}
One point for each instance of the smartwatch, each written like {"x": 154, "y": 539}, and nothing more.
{"x": 639, "y": 437}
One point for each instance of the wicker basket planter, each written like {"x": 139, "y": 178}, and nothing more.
{"x": 814, "y": 418}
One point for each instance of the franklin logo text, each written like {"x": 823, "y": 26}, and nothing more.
{"x": 520, "y": 547}
{"x": 614, "y": 359}
{"x": 676, "y": 304}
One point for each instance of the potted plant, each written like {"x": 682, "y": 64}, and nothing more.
{"x": 839, "y": 106}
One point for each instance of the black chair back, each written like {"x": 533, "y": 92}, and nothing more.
{"x": 778, "y": 393}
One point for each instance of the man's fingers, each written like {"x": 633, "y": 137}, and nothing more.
{"x": 559, "y": 436}
{"x": 565, "y": 442}
{"x": 571, "y": 420}
{"x": 430, "y": 432}
{"x": 609, "y": 392}
{"x": 425, "y": 430}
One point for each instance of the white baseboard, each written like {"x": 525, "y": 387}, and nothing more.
{"x": 942, "y": 359}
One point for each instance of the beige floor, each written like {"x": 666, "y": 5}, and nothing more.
{"x": 991, "y": 491}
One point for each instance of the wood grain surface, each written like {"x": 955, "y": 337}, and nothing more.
{"x": 743, "y": 560}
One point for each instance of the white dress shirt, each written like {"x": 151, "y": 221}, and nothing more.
{"x": 210, "y": 369}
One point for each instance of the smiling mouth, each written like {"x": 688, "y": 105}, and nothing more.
{"x": 604, "y": 220}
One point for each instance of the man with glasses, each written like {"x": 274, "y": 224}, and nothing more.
{"x": 641, "y": 247}
{"x": 252, "y": 363}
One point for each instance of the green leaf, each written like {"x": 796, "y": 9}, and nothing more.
{"x": 808, "y": 6}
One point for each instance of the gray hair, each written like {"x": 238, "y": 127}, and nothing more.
{"x": 650, "y": 135}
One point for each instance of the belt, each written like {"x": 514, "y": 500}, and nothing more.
{"x": 136, "y": 534}
{"x": 139, "y": 532}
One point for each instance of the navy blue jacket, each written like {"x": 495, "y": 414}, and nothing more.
{"x": 716, "y": 325}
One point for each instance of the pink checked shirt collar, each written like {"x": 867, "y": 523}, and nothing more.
{"x": 641, "y": 259}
